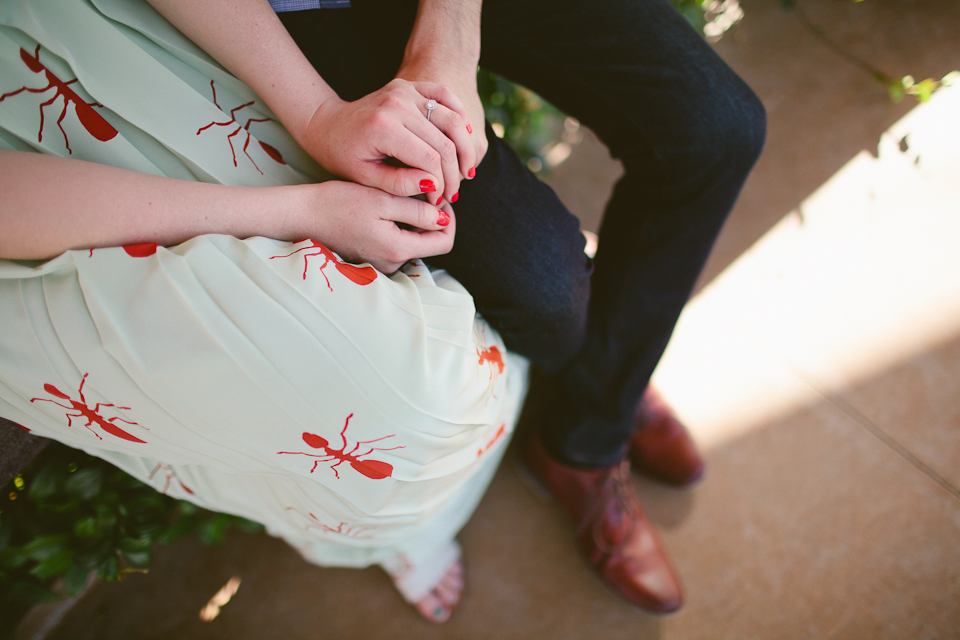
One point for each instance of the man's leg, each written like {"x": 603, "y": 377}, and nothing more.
{"x": 687, "y": 130}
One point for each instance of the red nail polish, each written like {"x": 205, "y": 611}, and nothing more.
{"x": 455, "y": 197}
{"x": 443, "y": 219}
{"x": 469, "y": 129}
{"x": 472, "y": 172}
{"x": 439, "y": 200}
{"x": 427, "y": 186}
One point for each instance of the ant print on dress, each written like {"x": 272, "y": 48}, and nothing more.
{"x": 373, "y": 469}
{"x": 92, "y": 414}
{"x": 358, "y": 275}
{"x": 268, "y": 149}
{"x": 502, "y": 431}
{"x": 311, "y": 521}
{"x": 144, "y": 250}
{"x": 491, "y": 357}
{"x": 92, "y": 121}
{"x": 171, "y": 476}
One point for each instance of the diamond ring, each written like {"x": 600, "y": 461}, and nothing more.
{"x": 431, "y": 105}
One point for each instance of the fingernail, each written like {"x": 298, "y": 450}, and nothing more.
{"x": 472, "y": 172}
{"x": 455, "y": 197}
{"x": 469, "y": 129}
{"x": 427, "y": 186}
{"x": 439, "y": 200}
{"x": 443, "y": 219}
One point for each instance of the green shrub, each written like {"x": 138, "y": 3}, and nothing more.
{"x": 69, "y": 514}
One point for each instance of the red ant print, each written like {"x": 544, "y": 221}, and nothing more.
{"x": 171, "y": 474}
{"x": 373, "y": 469}
{"x": 313, "y": 522}
{"x": 137, "y": 250}
{"x": 141, "y": 250}
{"x": 91, "y": 414}
{"x": 268, "y": 149}
{"x": 493, "y": 357}
{"x": 92, "y": 121}
{"x": 359, "y": 275}
{"x": 494, "y": 440}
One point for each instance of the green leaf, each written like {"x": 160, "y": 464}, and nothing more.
{"x": 896, "y": 90}
{"x": 139, "y": 559}
{"x": 135, "y": 545}
{"x": 787, "y": 4}
{"x": 107, "y": 569}
{"x": 212, "y": 531}
{"x": 54, "y": 565}
{"x": 86, "y": 528}
{"x": 693, "y": 15}
{"x": 924, "y": 89}
{"x": 44, "y": 484}
{"x": 13, "y": 557}
{"x": 75, "y": 579}
{"x": 249, "y": 526}
{"x": 85, "y": 483}
{"x": 45, "y": 547}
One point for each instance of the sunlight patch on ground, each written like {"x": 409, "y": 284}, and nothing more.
{"x": 864, "y": 274}
{"x": 220, "y": 599}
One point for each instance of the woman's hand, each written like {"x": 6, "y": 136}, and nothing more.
{"x": 357, "y": 140}
{"x": 360, "y": 224}
{"x": 462, "y": 81}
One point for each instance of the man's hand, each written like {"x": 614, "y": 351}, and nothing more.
{"x": 444, "y": 47}
{"x": 356, "y": 140}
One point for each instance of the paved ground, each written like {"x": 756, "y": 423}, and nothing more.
{"x": 818, "y": 367}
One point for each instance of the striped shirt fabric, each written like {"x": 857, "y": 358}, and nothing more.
{"x": 302, "y": 5}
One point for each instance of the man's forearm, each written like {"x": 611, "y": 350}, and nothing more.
{"x": 445, "y": 32}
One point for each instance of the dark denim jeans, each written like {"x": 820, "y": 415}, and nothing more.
{"x": 687, "y": 130}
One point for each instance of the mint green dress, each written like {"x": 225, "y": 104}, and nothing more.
{"x": 358, "y": 416}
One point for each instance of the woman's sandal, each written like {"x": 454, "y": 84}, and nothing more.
{"x": 434, "y": 585}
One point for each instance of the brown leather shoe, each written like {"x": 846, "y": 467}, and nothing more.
{"x": 661, "y": 447}
{"x": 616, "y": 539}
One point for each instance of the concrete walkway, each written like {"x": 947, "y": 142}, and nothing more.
{"x": 819, "y": 367}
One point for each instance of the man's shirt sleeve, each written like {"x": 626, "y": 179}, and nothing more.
{"x": 302, "y": 5}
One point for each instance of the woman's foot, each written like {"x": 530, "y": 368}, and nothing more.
{"x": 433, "y": 584}
{"x": 437, "y": 605}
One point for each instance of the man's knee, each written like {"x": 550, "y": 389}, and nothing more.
{"x": 740, "y": 124}
{"x": 545, "y": 318}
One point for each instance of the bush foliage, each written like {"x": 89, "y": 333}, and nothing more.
{"x": 69, "y": 514}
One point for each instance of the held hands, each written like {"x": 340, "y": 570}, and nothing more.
{"x": 461, "y": 79}
{"x": 384, "y": 140}
{"x": 356, "y": 140}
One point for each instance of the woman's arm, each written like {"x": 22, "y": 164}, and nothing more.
{"x": 50, "y": 204}
{"x": 350, "y": 139}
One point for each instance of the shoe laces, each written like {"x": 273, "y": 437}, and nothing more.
{"x": 616, "y": 487}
